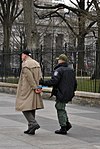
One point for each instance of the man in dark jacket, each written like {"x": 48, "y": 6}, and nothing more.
{"x": 64, "y": 85}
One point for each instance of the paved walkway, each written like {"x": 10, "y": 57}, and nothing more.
{"x": 85, "y": 133}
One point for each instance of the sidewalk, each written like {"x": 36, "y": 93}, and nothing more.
{"x": 85, "y": 133}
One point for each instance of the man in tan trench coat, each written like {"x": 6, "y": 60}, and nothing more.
{"x": 28, "y": 100}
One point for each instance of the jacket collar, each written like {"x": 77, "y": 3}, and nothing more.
{"x": 61, "y": 65}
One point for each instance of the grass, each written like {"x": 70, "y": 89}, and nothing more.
{"x": 10, "y": 80}
{"x": 88, "y": 85}
{"x": 84, "y": 84}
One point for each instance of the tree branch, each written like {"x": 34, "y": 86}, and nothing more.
{"x": 12, "y": 8}
{"x": 2, "y": 6}
{"x": 60, "y": 6}
{"x": 96, "y": 5}
{"x": 73, "y": 3}
{"x": 71, "y": 28}
{"x": 1, "y": 17}
{"x": 89, "y": 5}
{"x": 86, "y": 31}
{"x": 17, "y": 15}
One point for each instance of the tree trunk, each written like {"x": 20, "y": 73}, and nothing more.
{"x": 30, "y": 28}
{"x": 97, "y": 71}
{"x": 81, "y": 56}
{"x": 6, "y": 49}
{"x": 98, "y": 52}
{"x": 81, "y": 40}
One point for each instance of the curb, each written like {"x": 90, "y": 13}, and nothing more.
{"x": 82, "y": 98}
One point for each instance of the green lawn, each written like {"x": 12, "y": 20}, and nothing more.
{"x": 88, "y": 85}
{"x": 84, "y": 84}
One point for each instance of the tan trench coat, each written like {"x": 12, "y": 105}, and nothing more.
{"x": 26, "y": 98}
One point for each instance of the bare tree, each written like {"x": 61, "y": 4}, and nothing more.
{"x": 9, "y": 11}
{"x": 83, "y": 29}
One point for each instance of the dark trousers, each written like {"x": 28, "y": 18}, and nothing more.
{"x": 30, "y": 116}
{"x": 61, "y": 113}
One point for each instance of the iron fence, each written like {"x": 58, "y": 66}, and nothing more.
{"x": 47, "y": 59}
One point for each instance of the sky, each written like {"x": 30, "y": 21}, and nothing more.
{"x": 63, "y": 1}
{"x": 68, "y": 2}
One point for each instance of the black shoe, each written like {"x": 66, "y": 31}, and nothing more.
{"x": 61, "y": 131}
{"x": 33, "y": 129}
{"x": 27, "y": 132}
{"x": 68, "y": 126}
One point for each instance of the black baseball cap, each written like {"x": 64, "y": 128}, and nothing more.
{"x": 27, "y": 52}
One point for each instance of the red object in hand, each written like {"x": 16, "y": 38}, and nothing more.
{"x": 38, "y": 90}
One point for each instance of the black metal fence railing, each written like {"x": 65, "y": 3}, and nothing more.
{"x": 87, "y": 81}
